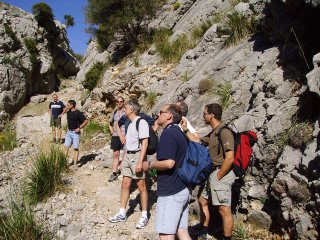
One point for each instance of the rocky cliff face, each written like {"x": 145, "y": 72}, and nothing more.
{"x": 30, "y": 62}
{"x": 270, "y": 84}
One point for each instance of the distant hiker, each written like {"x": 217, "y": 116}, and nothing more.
{"x": 136, "y": 147}
{"x": 76, "y": 121}
{"x": 56, "y": 109}
{"x": 173, "y": 195}
{"x": 222, "y": 177}
{"x": 116, "y": 144}
{"x": 184, "y": 110}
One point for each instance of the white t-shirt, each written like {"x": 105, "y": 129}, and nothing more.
{"x": 132, "y": 136}
{"x": 189, "y": 126}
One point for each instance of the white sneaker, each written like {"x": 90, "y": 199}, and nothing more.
{"x": 142, "y": 223}
{"x": 118, "y": 218}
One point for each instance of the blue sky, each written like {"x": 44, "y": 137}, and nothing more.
{"x": 76, "y": 34}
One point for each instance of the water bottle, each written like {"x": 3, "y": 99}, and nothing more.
{"x": 153, "y": 172}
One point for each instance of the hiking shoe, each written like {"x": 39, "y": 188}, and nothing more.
{"x": 118, "y": 218}
{"x": 113, "y": 177}
{"x": 58, "y": 141}
{"x": 142, "y": 223}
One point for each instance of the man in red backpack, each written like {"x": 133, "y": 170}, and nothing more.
{"x": 222, "y": 177}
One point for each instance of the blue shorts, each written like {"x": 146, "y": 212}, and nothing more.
{"x": 172, "y": 212}
{"x": 72, "y": 138}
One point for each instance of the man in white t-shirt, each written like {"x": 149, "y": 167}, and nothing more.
{"x": 136, "y": 146}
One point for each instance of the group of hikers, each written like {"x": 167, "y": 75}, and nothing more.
{"x": 130, "y": 133}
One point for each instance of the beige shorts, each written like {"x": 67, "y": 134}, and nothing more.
{"x": 129, "y": 166}
{"x": 221, "y": 190}
{"x": 55, "y": 122}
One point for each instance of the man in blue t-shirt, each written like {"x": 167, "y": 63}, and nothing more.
{"x": 56, "y": 109}
{"x": 173, "y": 195}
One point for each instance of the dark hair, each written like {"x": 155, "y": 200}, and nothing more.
{"x": 215, "y": 109}
{"x": 72, "y": 102}
{"x": 176, "y": 113}
{"x": 184, "y": 107}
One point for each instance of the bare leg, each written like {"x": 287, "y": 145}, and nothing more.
{"x": 227, "y": 220}
{"x": 204, "y": 211}
{"x": 125, "y": 191}
{"x": 183, "y": 234}
{"x": 75, "y": 155}
{"x": 115, "y": 163}
{"x": 143, "y": 194}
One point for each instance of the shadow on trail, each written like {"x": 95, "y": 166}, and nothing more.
{"x": 87, "y": 158}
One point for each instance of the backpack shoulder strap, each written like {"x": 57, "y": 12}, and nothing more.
{"x": 138, "y": 123}
{"x": 218, "y": 135}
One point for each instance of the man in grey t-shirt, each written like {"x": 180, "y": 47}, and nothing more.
{"x": 136, "y": 147}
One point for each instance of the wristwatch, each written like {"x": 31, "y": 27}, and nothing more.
{"x": 186, "y": 131}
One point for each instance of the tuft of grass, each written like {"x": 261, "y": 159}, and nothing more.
{"x": 150, "y": 99}
{"x": 45, "y": 176}
{"x": 15, "y": 40}
{"x": 171, "y": 52}
{"x": 136, "y": 62}
{"x": 185, "y": 76}
{"x": 20, "y": 223}
{"x": 297, "y": 136}
{"x": 224, "y": 91}
{"x": 93, "y": 127}
{"x": 8, "y": 140}
{"x": 197, "y": 32}
{"x": 205, "y": 85}
{"x": 244, "y": 231}
{"x": 106, "y": 129}
{"x": 93, "y": 76}
{"x": 238, "y": 27}
{"x": 176, "y": 5}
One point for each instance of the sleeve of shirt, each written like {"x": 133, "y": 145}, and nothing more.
{"x": 167, "y": 147}
{"x": 143, "y": 129}
{"x": 62, "y": 105}
{"x": 227, "y": 140}
{"x": 82, "y": 118}
{"x": 205, "y": 140}
{"x": 122, "y": 120}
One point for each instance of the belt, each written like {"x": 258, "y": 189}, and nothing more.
{"x": 72, "y": 129}
{"x": 132, "y": 152}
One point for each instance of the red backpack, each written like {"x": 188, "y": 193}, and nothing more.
{"x": 243, "y": 143}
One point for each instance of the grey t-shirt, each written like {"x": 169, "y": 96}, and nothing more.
{"x": 132, "y": 137}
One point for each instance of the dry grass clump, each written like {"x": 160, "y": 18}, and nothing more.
{"x": 206, "y": 85}
{"x": 247, "y": 231}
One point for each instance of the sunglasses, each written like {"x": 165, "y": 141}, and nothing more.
{"x": 119, "y": 101}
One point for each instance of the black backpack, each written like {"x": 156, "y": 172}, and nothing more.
{"x": 153, "y": 137}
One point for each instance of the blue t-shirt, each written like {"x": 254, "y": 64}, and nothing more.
{"x": 172, "y": 145}
{"x": 56, "y": 108}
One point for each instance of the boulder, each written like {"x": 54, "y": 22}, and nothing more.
{"x": 259, "y": 218}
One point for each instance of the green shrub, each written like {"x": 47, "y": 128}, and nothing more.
{"x": 176, "y": 5}
{"x": 93, "y": 76}
{"x": 198, "y": 31}
{"x": 238, "y": 27}
{"x": 20, "y": 223}
{"x": 42, "y": 12}
{"x": 31, "y": 45}
{"x": 224, "y": 92}
{"x": 136, "y": 62}
{"x": 8, "y": 30}
{"x": 171, "y": 52}
{"x": 150, "y": 99}
{"x": 106, "y": 129}
{"x": 68, "y": 20}
{"x": 8, "y": 139}
{"x": 205, "y": 85}
{"x": 93, "y": 127}
{"x": 239, "y": 232}
{"x": 45, "y": 176}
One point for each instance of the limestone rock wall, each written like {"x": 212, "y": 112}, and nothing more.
{"x": 265, "y": 77}
{"x": 28, "y": 70}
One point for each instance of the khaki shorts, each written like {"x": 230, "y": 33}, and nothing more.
{"x": 129, "y": 166}
{"x": 221, "y": 190}
{"x": 55, "y": 122}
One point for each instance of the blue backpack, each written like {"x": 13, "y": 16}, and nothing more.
{"x": 197, "y": 164}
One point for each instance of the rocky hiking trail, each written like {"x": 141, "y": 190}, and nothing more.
{"x": 82, "y": 208}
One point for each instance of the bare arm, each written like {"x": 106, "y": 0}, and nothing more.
{"x": 111, "y": 128}
{"x": 162, "y": 165}
{"x": 143, "y": 151}
{"x": 121, "y": 136}
{"x": 226, "y": 165}
{"x": 82, "y": 125}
